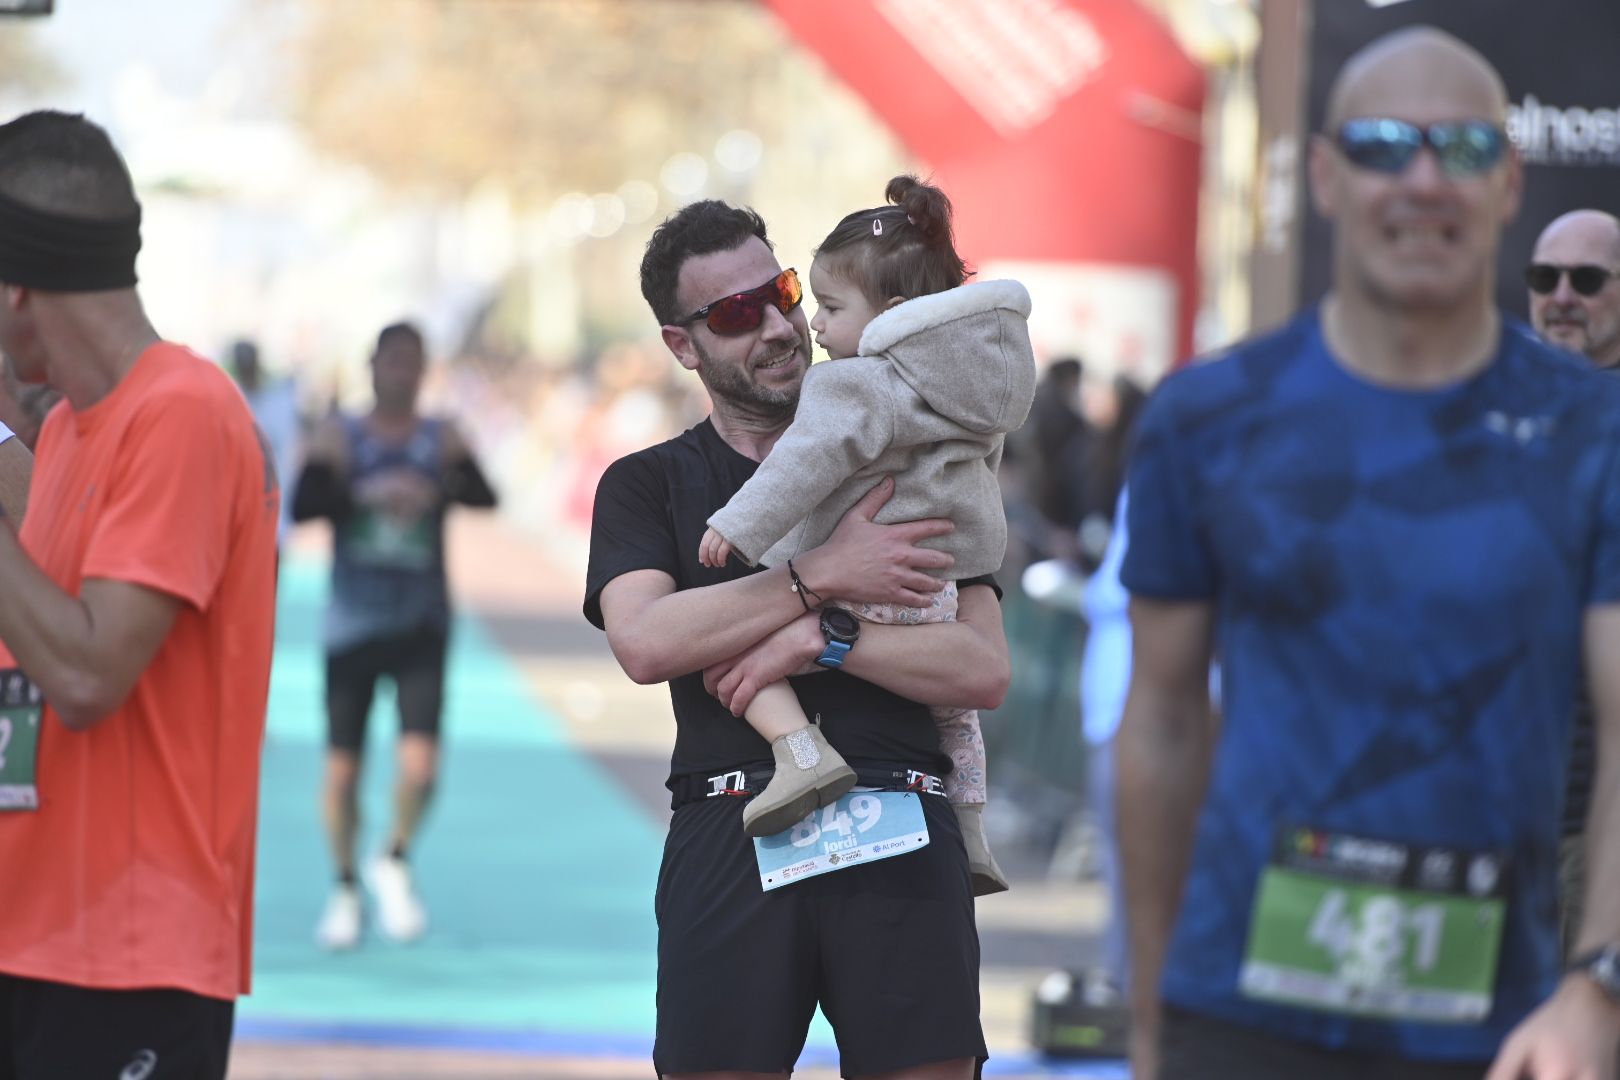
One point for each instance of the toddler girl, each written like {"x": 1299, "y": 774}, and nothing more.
{"x": 930, "y": 375}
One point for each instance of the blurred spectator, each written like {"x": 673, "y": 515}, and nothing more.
{"x": 1105, "y": 673}
{"x": 1100, "y": 471}
{"x": 275, "y": 410}
{"x": 1047, "y": 453}
{"x": 1574, "y": 280}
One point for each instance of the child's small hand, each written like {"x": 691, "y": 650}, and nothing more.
{"x": 713, "y": 549}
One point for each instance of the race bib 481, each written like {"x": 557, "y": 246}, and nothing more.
{"x": 1375, "y": 928}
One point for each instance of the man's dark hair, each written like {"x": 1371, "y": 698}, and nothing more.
{"x": 699, "y": 228}
{"x": 405, "y": 330}
{"x": 64, "y": 163}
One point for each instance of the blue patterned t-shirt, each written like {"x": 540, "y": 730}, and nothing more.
{"x": 1399, "y": 579}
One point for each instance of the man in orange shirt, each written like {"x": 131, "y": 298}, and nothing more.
{"x": 137, "y": 630}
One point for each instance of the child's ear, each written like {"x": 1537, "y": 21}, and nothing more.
{"x": 893, "y": 300}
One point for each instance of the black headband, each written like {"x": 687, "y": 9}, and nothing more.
{"x": 42, "y": 249}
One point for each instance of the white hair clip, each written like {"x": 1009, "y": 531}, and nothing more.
{"x": 877, "y": 226}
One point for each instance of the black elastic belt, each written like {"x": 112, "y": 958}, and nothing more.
{"x": 751, "y": 778}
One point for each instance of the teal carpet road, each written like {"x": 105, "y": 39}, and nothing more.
{"x": 536, "y": 868}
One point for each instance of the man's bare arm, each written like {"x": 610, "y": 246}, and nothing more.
{"x": 16, "y": 473}
{"x": 322, "y": 486}
{"x": 1601, "y": 923}
{"x": 962, "y": 663}
{"x": 1575, "y": 1033}
{"x": 1165, "y": 746}
{"x": 83, "y": 652}
{"x": 658, "y": 633}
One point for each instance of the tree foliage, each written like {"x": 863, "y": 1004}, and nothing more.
{"x": 541, "y": 95}
{"x": 25, "y": 67}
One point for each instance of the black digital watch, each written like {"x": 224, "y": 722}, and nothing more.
{"x": 842, "y": 630}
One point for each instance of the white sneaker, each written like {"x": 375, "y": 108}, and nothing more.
{"x": 339, "y": 927}
{"x": 400, "y": 914}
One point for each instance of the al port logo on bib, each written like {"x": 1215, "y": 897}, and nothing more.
{"x": 861, "y": 827}
{"x": 1375, "y": 928}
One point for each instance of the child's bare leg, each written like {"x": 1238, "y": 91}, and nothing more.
{"x": 775, "y": 711}
{"x": 809, "y": 772}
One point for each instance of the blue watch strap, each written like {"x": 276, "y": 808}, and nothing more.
{"x": 833, "y": 655}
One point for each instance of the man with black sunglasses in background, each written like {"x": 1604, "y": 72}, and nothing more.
{"x": 1574, "y": 280}
{"x": 1399, "y": 514}
{"x": 888, "y": 948}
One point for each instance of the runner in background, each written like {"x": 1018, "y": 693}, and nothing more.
{"x": 386, "y": 481}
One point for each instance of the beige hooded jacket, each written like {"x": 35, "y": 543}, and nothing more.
{"x": 939, "y": 382}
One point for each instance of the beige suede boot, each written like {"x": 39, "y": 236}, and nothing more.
{"x": 809, "y": 773}
{"x": 987, "y": 876}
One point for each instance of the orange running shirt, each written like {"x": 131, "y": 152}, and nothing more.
{"x": 137, "y": 868}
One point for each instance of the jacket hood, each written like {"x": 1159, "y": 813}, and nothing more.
{"x": 965, "y": 351}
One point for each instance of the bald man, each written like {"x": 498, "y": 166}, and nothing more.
{"x": 1399, "y": 517}
{"x": 1574, "y": 279}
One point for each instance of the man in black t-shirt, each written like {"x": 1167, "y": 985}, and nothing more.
{"x": 888, "y": 948}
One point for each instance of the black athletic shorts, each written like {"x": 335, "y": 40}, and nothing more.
{"x": 889, "y": 949}
{"x": 1197, "y": 1047}
{"x": 53, "y": 1031}
{"x": 414, "y": 660}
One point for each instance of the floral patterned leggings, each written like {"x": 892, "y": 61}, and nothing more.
{"x": 959, "y": 734}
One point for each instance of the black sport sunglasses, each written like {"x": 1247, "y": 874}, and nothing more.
{"x": 1588, "y": 280}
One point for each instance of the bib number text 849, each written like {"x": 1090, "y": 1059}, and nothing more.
{"x": 864, "y": 812}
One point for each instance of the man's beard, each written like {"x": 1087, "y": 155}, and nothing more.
{"x": 733, "y": 385}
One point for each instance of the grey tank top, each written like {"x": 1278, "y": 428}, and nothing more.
{"x": 388, "y": 576}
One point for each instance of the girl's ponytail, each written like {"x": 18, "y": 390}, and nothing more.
{"x": 905, "y": 249}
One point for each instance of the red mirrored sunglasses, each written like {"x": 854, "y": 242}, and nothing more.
{"x": 742, "y": 312}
